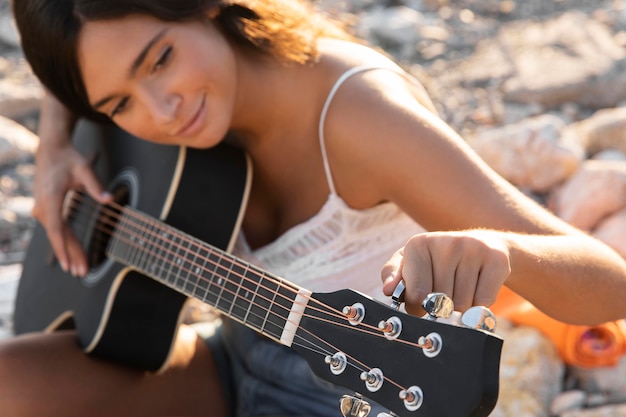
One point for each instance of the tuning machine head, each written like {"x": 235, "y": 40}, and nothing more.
{"x": 438, "y": 305}
{"x": 479, "y": 317}
{"x": 354, "y": 406}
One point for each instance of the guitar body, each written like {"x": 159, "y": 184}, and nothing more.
{"x": 167, "y": 237}
{"x": 118, "y": 313}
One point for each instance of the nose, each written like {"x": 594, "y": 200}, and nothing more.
{"x": 162, "y": 105}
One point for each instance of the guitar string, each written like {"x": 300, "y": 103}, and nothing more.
{"x": 250, "y": 268}
{"x": 330, "y": 312}
{"x": 224, "y": 255}
{"x": 325, "y": 348}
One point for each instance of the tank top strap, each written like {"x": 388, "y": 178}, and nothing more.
{"x": 349, "y": 73}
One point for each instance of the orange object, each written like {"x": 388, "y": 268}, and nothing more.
{"x": 581, "y": 346}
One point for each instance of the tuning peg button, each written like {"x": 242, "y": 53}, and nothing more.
{"x": 354, "y": 406}
{"x": 479, "y": 317}
{"x": 438, "y": 305}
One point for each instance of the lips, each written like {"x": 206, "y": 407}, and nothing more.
{"x": 195, "y": 122}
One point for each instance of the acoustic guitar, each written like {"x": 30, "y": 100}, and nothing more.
{"x": 167, "y": 237}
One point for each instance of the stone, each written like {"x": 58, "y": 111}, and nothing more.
{"x": 531, "y": 373}
{"x": 16, "y": 142}
{"x": 529, "y": 154}
{"x": 612, "y": 231}
{"x": 597, "y": 190}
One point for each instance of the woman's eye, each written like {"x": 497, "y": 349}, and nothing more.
{"x": 120, "y": 107}
{"x": 163, "y": 58}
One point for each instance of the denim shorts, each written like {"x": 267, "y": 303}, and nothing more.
{"x": 263, "y": 378}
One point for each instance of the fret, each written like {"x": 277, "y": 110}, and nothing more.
{"x": 191, "y": 264}
{"x": 239, "y": 274}
{"x": 242, "y": 291}
{"x": 173, "y": 259}
{"x": 203, "y": 284}
{"x": 279, "y": 309}
{"x": 267, "y": 287}
{"x": 182, "y": 263}
{"x": 197, "y": 266}
{"x": 212, "y": 276}
{"x": 158, "y": 264}
{"x": 145, "y": 245}
{"x": 228, "y": 287}
{"x": 130, "y": 240}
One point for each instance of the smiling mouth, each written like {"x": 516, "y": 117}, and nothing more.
{"x": 195, "y": 122}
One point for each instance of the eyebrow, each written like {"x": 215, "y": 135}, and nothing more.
{"x": 135, "y": 65}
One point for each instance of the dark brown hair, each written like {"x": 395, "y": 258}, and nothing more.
{"x": 284, "y": 29}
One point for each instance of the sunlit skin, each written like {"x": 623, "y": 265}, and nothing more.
{"x": 168, "y": 83}
{"x": 384, "y": 143}
{"x": 183, "y": 83}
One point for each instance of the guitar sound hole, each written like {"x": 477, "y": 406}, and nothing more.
{"x": 106, "y": 221}
{"x": 94, "y": 223}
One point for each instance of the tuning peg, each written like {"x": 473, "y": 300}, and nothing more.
{"x": 438, "y": 305}
{"x": 397, "y": 298}
{"x": 389, "y": 414}
{"x": 479, "y": 317}
{"x": 354, "y": 406}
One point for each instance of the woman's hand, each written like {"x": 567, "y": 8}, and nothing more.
{"x": 58, "y": 168}
{"x": 468, "y": 266}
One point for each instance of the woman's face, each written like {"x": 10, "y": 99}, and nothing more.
{"x": 171, "y": 83}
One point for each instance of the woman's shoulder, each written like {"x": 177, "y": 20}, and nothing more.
{"x": 339, "y": 57}
{"x": 347, "y": 54}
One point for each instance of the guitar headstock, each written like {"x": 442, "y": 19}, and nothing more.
{"x": 413, "y": 366}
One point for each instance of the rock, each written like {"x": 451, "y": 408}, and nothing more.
{"x": 606, "y": 411}
{"x": 20, "y": 92}
{"x": 16, "y": 142}
{"x": 555, "y": 64}
{"x": 612, "y": 231}
{"x": 531, "y": 373}
{"x": 530, "y": 154}
{"x": 597, "y": 190}
{"x": 604, "y": 130}
{"x": 398, "y": 25}
{"x": 568, "y": 401}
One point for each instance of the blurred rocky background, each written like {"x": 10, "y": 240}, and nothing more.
{"x": 537, "y": 87}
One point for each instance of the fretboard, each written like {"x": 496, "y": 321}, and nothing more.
{"x": 244, "y": 292}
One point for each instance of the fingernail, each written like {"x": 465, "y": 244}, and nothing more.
{"x": 82, "y": 271}
{"x": 63, "y": 265}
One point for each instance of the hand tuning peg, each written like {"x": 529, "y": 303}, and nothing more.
{"x": 479, "y": 317}
{"x": 397, "y": 297}
{"x": 354, "y": 406}
{"x": 438, "y": 305}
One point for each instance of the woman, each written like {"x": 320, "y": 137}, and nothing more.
{"x": 348, "y": 157}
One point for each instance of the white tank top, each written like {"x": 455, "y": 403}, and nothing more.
{"x": 339, "y": 247}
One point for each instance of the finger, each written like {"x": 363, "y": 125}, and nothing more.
{"x": 466, "y": 280}
{"x": 76, "y": 254}
{"x": 390, "y": 273}
{"x": 418, "y": 276}
{"x": 490, "y": 281}
{"x": 92, "y": 185}
{"x": 54, "y": 230}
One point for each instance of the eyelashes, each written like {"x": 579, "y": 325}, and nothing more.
{"x": 163, "y": 59}
{"x": 160, "y": 63}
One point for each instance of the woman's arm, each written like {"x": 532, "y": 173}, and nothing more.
{"x": 484, "y": 233}
{"x": 59, "y": 167}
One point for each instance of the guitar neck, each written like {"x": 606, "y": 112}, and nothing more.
{"x": 260, "y": 300}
